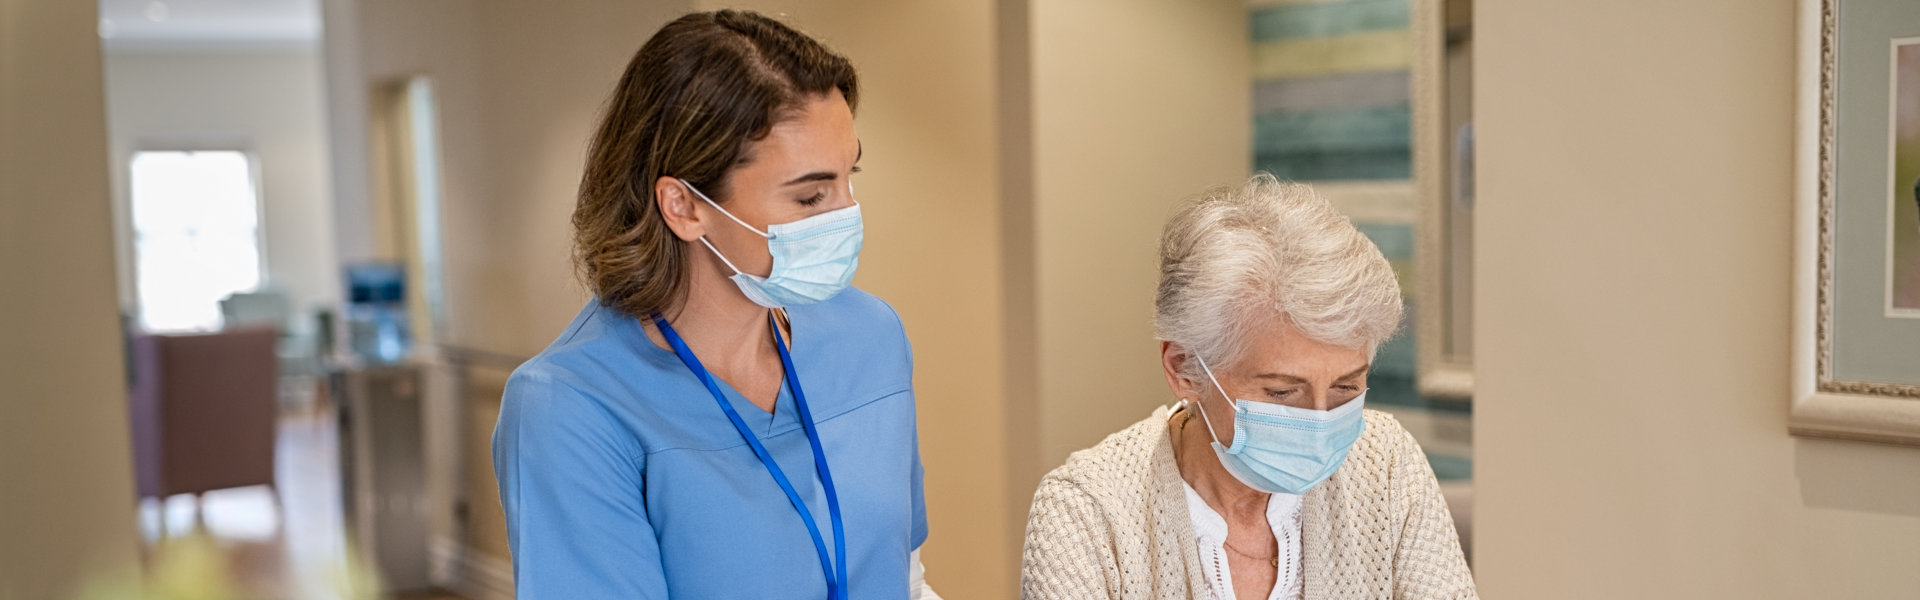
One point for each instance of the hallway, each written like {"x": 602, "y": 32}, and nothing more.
{"x": 296, "y": 549}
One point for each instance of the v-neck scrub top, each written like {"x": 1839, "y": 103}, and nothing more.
{"x": 622, "y": 478}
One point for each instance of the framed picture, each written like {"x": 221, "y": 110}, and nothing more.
{"x": 1856, "y": 331}
{"x": 1443, "y": 182}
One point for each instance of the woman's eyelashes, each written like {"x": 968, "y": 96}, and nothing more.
{"x": 819, "y": 195}
{"x": 1341, "y": 391}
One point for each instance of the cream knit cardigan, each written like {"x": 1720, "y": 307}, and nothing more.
{"x": 1113, "y": 523}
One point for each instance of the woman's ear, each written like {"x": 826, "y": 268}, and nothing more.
{"x": 1173, "y": 360}
{"x": 677, "y": 208}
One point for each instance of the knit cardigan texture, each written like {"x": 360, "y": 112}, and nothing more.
{"x": 1113, "y": 523}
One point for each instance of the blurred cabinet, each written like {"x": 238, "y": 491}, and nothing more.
{"x": 383, "y": 469}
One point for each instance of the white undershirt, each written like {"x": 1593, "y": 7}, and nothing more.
{"x": 917, "y": 579}
{"x": 1210, "y": 532}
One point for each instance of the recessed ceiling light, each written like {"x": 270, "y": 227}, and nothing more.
{"x": 156, "y": 11}
{"x": 107, "y": 29}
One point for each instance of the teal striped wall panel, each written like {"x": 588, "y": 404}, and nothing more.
{"x": 1336, "y": 124}
{"x": 1348, "y": 90}
{"x": 1333, "y": 130}
{"x": 1327, "y": 19}
{"x": 1394, "y": 239}
{"x": 1331, "y": 102}
{"x": 1382, "y": 165}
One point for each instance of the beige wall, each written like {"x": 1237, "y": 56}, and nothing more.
{"x": 1111, "y": 113}
{"x": 1136, "y": 104}
{"x": 370, "y": 46}
{"x": 264, "y": 102}
{"x": 1633, "y": 275}
{"x": 545, "y": 68}
{"x": 67, "y": 504}
{"x": 518, "y": 86}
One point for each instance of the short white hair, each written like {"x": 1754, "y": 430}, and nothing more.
{"x": 1232, "y": 256}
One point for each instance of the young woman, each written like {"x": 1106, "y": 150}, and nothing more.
{"x": 726, "y": 418}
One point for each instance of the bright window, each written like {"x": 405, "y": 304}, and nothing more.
{"x": 196, "y": 228}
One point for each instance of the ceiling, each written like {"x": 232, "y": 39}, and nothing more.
{"x": 214, "y": 24}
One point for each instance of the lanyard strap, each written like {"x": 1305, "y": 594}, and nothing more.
{"x": 834, "y": 570}
{"x": 819, "y": 457}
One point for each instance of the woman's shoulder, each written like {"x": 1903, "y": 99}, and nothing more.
{"x": 856, "y": 311}
{"x": 591, "y": 362}
{"x": 603, "y": 352}
{"x": 863, "y": 330}
{"x": 1122, "y": 461}
{"x": 550, "y": 385}
{"x": 860, "y": 301}
{"x": 548, "y": 375}
{"x": 1381, "y": 455}
{"x": 542, "y": 408}
{"x": 1117, "y": 492}
{"x": 1384, "y": 436}
{"x": 597, "y": 328}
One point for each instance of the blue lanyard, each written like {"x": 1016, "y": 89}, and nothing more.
{"x": 834, "y": 570}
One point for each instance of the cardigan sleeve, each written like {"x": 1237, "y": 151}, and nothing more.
{"x": 1067, "y": 553}
{"x": 1427, "y": 561}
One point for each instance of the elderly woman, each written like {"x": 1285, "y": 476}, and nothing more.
{"x": 1267, "y": 479}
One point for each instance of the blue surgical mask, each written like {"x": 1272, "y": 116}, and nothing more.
{"x": 1283, "y": 449}
{"x": 813, "y": 258}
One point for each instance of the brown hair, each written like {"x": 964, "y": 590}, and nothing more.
{"x": 693, "y": 97}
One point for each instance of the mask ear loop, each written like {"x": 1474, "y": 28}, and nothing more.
{"x": 1201, "y": 404}
{"x": 716, "y": 206}
{"x": 723, "y": 257}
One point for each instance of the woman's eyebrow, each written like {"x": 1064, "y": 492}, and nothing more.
{"x": 826, "y": 175}
{"x": 1282, "y": 377}
{"x": 812, "y": 177}
{"x": 1297, "y": 379}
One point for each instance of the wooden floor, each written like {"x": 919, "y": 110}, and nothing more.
{"x": 294, "y": 549}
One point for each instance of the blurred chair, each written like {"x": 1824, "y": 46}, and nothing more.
{"x": 264, "y": 307}
{"x": 300, "y": 368}
{"x": 298, "y": 353}
{"x": 203, "y": 410}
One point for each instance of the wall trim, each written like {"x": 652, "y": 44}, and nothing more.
{"x": 470, "y": 572}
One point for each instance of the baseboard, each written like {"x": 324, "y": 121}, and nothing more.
{"x": 471, "y": 573}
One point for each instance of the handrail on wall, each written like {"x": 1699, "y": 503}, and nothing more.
{"x": 462, "y": 356}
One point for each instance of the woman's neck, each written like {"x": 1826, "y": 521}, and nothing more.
{"x": 725, "y": 329}
{"x": 1193, "y": 453}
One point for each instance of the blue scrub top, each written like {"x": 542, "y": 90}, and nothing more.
{"x": 622, "y": 478}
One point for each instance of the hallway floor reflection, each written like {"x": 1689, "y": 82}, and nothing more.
{"x": 291, "y": 545}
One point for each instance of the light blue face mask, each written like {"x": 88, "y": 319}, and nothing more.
{"x": 1283, "y": 449}
{"x": 813, "y": 258}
